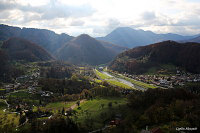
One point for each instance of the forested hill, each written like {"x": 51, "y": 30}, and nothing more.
{"x": 21, "y": 49}
{"x": 85, "y": 50}
{"x": 142, "y": 59}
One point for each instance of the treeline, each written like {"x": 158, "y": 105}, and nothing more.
{"x": 8, "y": 71}
{"x": 73, "y": 85}
{"x": 56, "y": 72}
{"x": 56, "y": 69}
{"x": 57, "y": 124}
{"x": 193, "y": 87}
{"x": 90, "y": 94}
{"x": 166, "y": 109}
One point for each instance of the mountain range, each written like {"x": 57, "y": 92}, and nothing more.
{"x": 47, "y": 39}
{"x": 196, "y": 39}
{"x": 74, "y": 48}
{"x": 158, "y": 56}
{"x": 39, "y": 44}
{"x": 128, "y": 37}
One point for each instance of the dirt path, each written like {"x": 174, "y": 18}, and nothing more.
{"x": 8, "y": 105}
{"x": 75, "y": 105}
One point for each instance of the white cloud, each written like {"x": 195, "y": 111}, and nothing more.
{"x": 99, "y": 17}
{"x": 148, "y": 15}
{"x": 77, "y": 23}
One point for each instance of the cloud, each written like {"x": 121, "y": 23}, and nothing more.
{"x": 64, "y": 11}
{"x": 148, "y": 15}
{"x": 5, "y": 6}
{"x": 112, "y": 24}
{"x": 52, "y": 10}
{"x": 109, "y": 26}
{"x": 77, "y": 23}
{"x": 98, "y": 18}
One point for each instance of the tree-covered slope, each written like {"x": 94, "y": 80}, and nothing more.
{"x": 141, "y": 59}
{"x": 20, "y": 49}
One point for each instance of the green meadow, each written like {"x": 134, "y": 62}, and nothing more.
{"x": 97, "y": 112}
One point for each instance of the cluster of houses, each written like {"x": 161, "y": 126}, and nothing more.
{"x": 28, "y": 82}
{"x": 23, "y": 82}
{"x": 167, "y": 81}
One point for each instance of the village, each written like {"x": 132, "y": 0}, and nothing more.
{"x": 28, "y": 85}
{"x": 27, "y": 82}
{"x": 166, "y": 81}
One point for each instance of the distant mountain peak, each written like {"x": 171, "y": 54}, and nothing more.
{"x": 86, "y": 50}
{"x": 195, "y": 39}
{"x": 121, "y": 28}
{"x": 129, "y": 37}
{"x": 83, "y": 36}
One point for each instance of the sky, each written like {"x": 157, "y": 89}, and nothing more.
{"x": 100, "y": 17}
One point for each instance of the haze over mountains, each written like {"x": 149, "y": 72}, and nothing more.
{"x": 128, "y": 37}
{"x": 196, "y": 39}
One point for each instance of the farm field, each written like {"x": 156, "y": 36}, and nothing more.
{"x": 7, "y": 118}
{"x": 22, "y": 94}
{"x": 97, "y": 112}
{"x": 56, "y": 107}
{"x": 25, "y": 96}
{"x": 2, "y": 104}
{"x": 101, "y": 75}
{"x": 139, "y": 83}
{"x": 97, "y": 80}
{"x": 112, "y": 80}
{"x": 117, "y": 83}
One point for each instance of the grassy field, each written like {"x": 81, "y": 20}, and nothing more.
{"x": 97, "y": 80}
{"x": 97, "y": 111}
{"x": 21, "y": 94}
{"x": 139, "y": 83}
{"x": 111, "y": 80}
{"x": 7, "y": 118}
{"x": 117, "y": 83}
{"x": 2, "y": 104}
{"x": 142, "y": 84}
{"x": 56, "y": 107}
{"x": 101, "y": 75}
{"x": 81, "y": 69}
{"x": 25, "y": 96}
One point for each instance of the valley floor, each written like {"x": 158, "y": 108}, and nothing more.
{"x": 90, "y": 100}
{"x": 117, "y": 79}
